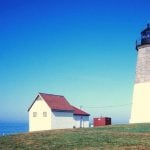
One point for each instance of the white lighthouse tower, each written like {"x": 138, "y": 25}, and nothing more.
{"x": 140, "y": 112}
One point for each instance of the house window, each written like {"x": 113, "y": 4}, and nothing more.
{"x": 44, "y": 114}
{"x": 34, "y": 114}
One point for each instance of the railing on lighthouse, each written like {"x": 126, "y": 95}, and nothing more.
{"x": 145, "y": 37}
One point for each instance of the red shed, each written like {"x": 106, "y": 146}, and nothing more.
{"x": 102, "y": 121}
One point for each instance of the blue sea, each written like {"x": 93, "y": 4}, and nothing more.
{"x": 13, "y": 128}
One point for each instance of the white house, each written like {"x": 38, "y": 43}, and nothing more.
{"x": 50, "y": 111}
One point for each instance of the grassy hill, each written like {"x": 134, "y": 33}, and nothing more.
{"x": 116, "y": 137}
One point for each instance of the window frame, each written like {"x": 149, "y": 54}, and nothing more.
{"x": 34, "y": 114}
{"x": 44, "y": 114}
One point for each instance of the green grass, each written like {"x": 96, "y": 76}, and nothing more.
{"x": 115, "y": 137}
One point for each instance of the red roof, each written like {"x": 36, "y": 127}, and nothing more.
{"x": 79, "y": 112}
{"x": 56, "y": 102}
{"x": 59, "y": 103}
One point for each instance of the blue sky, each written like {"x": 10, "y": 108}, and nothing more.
{"x": 82, "y": 49}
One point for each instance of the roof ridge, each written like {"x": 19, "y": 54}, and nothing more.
{"x": 51, "y": 94}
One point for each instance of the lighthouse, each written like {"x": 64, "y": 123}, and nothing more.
{"x": 140, "y": 111}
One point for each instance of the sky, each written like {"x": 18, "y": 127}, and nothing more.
{"x": 82, "y": 49}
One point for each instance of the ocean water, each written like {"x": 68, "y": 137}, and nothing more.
{"x": 13, "y": 128}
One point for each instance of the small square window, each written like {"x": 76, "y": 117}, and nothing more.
{"x": 34, "y": 114}
{"x": 44, "y": 114}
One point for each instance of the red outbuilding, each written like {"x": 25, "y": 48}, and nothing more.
{"x": 102, "y": 121}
